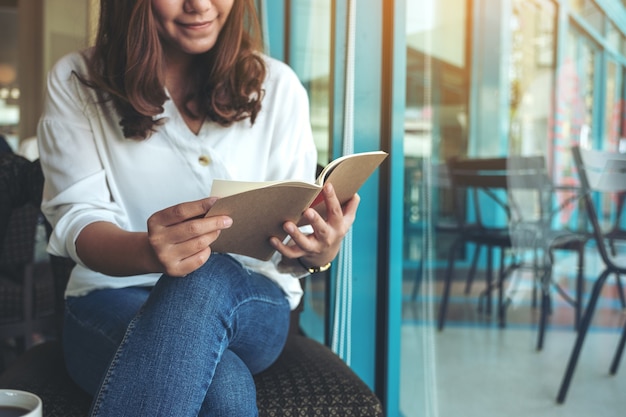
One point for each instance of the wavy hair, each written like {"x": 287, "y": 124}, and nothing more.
{"x": 127, "y": 67}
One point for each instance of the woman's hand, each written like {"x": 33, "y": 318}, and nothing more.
{"x": 181, "y": 235}
{"x": 177, "y": 242}
{"x": 321, "y": 246}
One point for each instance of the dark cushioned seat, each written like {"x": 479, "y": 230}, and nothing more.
{"x": 306, "y": 380}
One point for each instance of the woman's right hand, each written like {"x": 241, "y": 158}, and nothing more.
{"x": 181, "y": 235}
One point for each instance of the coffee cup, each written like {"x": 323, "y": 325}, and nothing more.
{"x": 15, "y": 403}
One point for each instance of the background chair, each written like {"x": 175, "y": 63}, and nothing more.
{"x": 516, "y": 194}
{"x": 27, "y": 303}
{"x": 307, "y": 379}
{"x": 439, "y": 222}
{"x": 602, "y": 178}
{"x": 536, "y": 204}
{"x": 479, "y": 188}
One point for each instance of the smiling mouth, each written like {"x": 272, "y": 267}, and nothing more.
{"x": 197, "y": 25}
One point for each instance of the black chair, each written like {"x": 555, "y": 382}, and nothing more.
{"x": 26, "y": 298}
{"x": 535, "y": 206}
{"x": 440, "y": 223}
{"x": 505, "y": 189}
{"x": 307, "y": 379}
{"x": 602, "y": 176}
{"x": 27, "y": 302}
{"x": 476, "y": 182}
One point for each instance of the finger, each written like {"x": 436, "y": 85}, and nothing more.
{"x": 189, "y": 229}
{"x": 307, "y": 242}
{"x": 350, "y": 209}
{"x": 322, "y": 231}
{"x": 177, "y": 258}
{"x": 183, "y": 211}
{"x": 291, "y": 251}
{"x": 184, "y": 266}
{"x": 333, "y": 206}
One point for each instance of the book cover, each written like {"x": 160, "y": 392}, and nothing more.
{"x": 259, "y": 209}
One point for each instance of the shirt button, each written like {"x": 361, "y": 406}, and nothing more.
{"x": 204, "y": 160}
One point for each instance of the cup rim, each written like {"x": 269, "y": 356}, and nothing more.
{"x": 31, "y": 395}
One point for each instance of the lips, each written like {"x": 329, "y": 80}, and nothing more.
{"x": 199, "y": 24}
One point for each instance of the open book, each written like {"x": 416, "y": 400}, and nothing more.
{"x": 259, "y": 209}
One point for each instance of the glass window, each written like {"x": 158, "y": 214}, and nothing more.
{"x": 531, "y": 82}
{"x": 310, "y": 58}
{"x": 614, "y": 38}
{"x": 612, "y": 112}
{"x": 435, "y": 128}
{"x": 590, "y": 12}
{"x": 436, "y": 108}
{"x": 575, "y": 102}
{"x": 9, "y": 82}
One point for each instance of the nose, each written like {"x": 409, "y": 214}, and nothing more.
{"x": 197, "y": 6}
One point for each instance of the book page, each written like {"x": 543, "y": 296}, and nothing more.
{"x": 225, "y": 188}
{"x": 347, "y": 174}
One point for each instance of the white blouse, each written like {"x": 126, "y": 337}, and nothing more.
{"x": 92, "y": 173}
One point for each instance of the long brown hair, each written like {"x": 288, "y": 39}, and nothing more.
{"x": 126, "y": 67}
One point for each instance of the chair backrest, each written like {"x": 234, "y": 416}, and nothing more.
{"x": 18, "y": 243}
{"x": 20, "y": 195}
{"x": 602, "y": 176}
{"x": 497, "y": 179}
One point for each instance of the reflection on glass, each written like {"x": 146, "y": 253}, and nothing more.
{"x": 614, "y": 37}
{"x": 309, "y": 54}
{"x": 589, "y": 11}
{"x": 612, "y": 107}
{"x": 530, "y": 72}
{"x": 435, "y": 128}
{"x": 310, "y": 58}
{"x": 436, "y": 108}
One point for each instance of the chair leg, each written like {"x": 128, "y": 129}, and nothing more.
{"x": 443, "y": 307}
{"x": 544, "y": 312}
{"x": 580, "y": 287}
{"x": 618, "y": 352}
{"x": 472, "y": 271}
{"x": 502, "y": 305}
{"x": 535, "y": 275}
{"x": 418, "y": 279}
{"x": 580, "y": 338}
{"x": 620, "y": 290}
{"x": 420, "y": 272}
{"x": 488, "y": 284}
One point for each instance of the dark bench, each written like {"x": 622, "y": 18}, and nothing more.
{"x": 306, "y": 380}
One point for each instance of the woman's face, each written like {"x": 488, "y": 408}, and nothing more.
{"x": 190, "y": 26}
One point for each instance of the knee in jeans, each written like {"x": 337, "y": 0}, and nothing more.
{"x": 232, "y": 391}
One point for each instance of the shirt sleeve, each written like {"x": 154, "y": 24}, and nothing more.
{"x": 75, "y": 189}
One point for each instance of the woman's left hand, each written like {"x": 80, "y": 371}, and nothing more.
{"x": 321, "y": 246}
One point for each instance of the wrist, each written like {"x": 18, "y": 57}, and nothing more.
{"x": 313, "y": 269}
{"x": 152, "y": 263}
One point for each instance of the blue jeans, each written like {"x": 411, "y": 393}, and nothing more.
{"x": 187, "y": 347}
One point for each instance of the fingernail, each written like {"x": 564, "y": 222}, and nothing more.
{"x": 228, "y": 222}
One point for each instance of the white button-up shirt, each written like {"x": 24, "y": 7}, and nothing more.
{"x": 95, "y": 174}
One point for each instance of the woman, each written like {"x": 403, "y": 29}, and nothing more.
{"x": 174, "y": 94}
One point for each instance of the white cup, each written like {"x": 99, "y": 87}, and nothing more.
{"x": 29, "y": 402}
